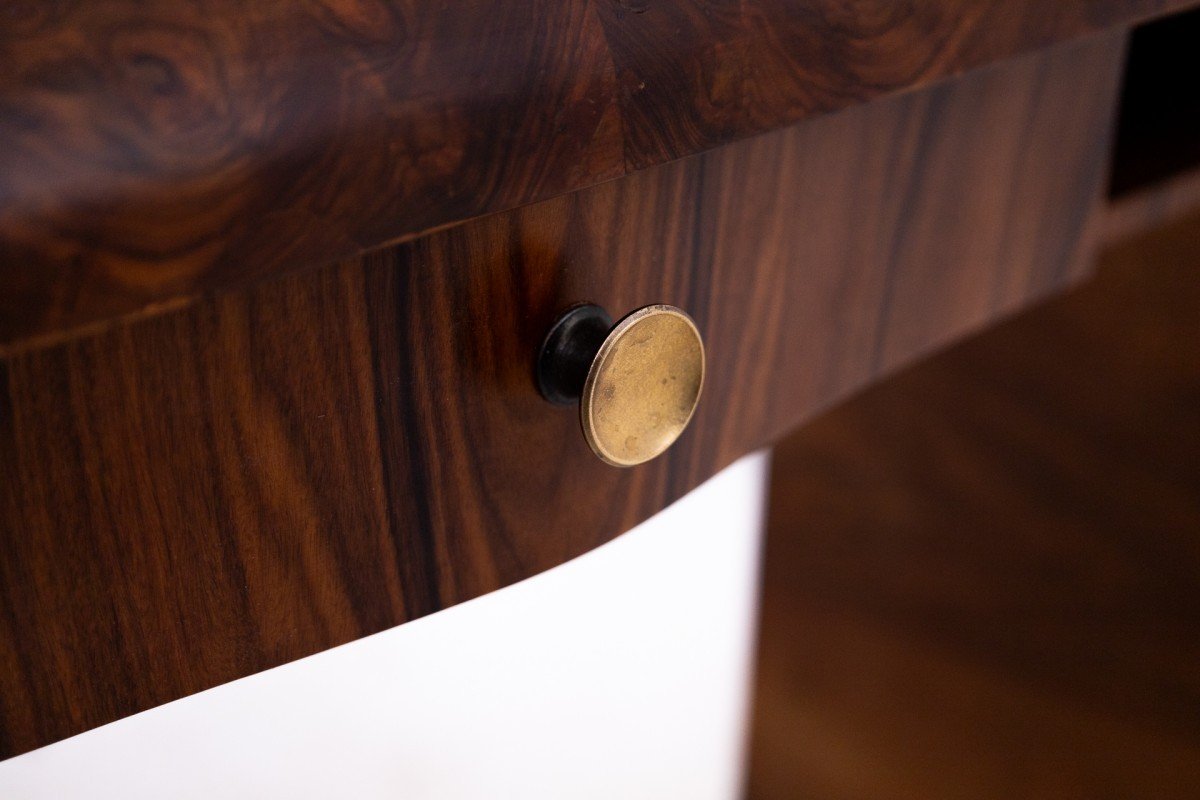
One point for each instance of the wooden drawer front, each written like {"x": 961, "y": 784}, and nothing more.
{"x": 197, "y": 496}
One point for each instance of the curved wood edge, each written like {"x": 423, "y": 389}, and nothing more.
{"x": 156, "y": 151}
{"x": 189, "y": 499}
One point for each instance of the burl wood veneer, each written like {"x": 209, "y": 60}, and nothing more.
{"x": 189, "y": 498}
{"x": 156, "y": 150}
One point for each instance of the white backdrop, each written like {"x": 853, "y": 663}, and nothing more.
{"x": 622, "y": 674}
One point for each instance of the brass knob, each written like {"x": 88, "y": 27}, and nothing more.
{"x": 637, "y": 382}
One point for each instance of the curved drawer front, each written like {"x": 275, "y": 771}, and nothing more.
{"x": 259, "y": 476}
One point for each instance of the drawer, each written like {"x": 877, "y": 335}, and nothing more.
{"x": 266, "y": 472}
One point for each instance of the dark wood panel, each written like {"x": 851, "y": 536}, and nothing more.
{"x": 983, "y": 577}
{"x": 199, "y": 495}
{"x": 157, "y": 150}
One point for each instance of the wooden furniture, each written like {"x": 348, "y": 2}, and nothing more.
{"x": 980, "y": 578}
{"x": 274, "y": 280}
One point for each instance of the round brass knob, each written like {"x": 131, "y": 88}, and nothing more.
{"x": 641, "y": 378}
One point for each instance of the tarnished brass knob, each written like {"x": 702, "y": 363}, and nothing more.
{"x": 637, "y": 382}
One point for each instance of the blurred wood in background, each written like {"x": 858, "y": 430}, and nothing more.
{"x": 982, "y": 578}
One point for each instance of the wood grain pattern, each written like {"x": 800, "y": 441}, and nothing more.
{"x": 153, "y": 151}
{"x": 192, "y": 497}
{"x": 981, "y": 576}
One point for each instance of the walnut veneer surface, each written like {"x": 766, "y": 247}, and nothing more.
{"x": 153, "y": 151}
{"x": 191, "y": 497}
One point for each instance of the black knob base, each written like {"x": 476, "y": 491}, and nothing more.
{"x": 567, "y": 352}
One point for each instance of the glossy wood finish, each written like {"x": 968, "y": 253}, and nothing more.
{"x": 153, "y": 151}
{"x": 981, "y": 577}
{"x": 196, "y": 496}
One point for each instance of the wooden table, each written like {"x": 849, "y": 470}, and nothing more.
{"x": 273, "y": 278}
